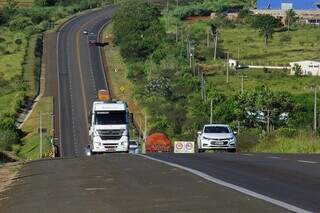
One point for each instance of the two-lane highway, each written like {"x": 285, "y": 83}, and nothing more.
{"x": 206, "y": 182}
{"x": 80, "y": 75}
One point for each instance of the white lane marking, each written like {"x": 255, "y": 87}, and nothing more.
{"x": 247, "y": 154}
{"x": 306, "y": 161}
{"x": 232, "y": 186}
{"x": 94, "y": 189}
{"x": 274, "y": 157}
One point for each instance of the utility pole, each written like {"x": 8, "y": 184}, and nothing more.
{"x": 227, "y": 67}
{"x": 268, "y": 120}
{"x": 167, "y": 16}
{"x": 176, "y": 32}
{"x": 288, "y": 17}
{"x": 238, "y": 52}
{"x": 211, "y": 106}
{"x": 242, "y": 83}
{"x": 53, "y": 134}
{"x": 40, "y": 134}
{"x": 145, "y": 126}
{"x": 193, "y": 63}
{"x": 315, "y": 110}
{"x": 202, "y": 86}
{"x": 215, "y": 45}
{"x": 143, "y": 148}
{"x": 208, "y": 37}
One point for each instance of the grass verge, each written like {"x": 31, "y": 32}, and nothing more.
{"x": 302, "y": 143}
{"x": 121, "y": 87}
{"x": 32, "y": 65}
{"x": 30, "y": 147}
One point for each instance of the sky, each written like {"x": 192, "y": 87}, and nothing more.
{"x": 297, "y": 4}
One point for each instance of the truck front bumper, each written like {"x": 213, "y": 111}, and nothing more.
{"x": 101, "y": 146}
{"x": 211, "y": 146}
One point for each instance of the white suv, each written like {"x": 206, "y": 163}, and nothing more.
{"x": 217, "y": 136}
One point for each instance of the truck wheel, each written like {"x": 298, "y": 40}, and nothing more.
{"x": 201, "y": 150}
{"x": 88, "y": 151}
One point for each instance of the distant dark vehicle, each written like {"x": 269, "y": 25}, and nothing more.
{"x": 133, "y": 147}
{"x": 92, "y": 42}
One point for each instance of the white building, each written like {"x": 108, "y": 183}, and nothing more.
{"x": 307, "y": 67}
{"x": 233, "y": 64}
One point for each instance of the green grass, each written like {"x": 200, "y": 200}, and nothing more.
{"x": 11, "y": 58}
{"x": 302, "y": 143}
{"x": 277, "y": 80}
{"x": 20, "y": 3}
{"x": 11, "y": 54}
{"x": 304, "y": 45}
{"x": 30, "y": 143}
{"x": 31, "y": 68}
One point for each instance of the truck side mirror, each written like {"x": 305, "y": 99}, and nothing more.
{"x": 199, "y": 132}
{"x": 89, "y": 117}
{"x": 235, "y": 133}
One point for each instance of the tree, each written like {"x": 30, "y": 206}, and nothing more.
{"x": 137, "y": 29}
{"x": 297, "y": 69}
{"x": 291, "y": 18}
{"x": 266, "y": 24}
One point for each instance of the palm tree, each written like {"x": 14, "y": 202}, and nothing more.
{"x": 291, "y": 18}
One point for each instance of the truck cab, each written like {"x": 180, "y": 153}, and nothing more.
{"x": 109, "y": 127}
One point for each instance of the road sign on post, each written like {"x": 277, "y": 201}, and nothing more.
{"x": 183, "y": 147}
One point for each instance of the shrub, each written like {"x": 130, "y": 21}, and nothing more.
{"x": 7, "y": 138}
{"x": 286, "y": 132}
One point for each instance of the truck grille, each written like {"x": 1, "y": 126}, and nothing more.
{"x": 110, "y": 145}
{"x": 110, "y": 137}
{"x": 110, "y": 134}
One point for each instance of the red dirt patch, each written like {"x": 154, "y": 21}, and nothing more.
{"x": 158, "y": 142}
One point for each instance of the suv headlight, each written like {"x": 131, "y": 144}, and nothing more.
{"x": 232, "y": 138}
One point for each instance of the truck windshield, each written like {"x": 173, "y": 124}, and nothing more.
{"x": 216, "y": 129}
{"x": 110, "y": 117}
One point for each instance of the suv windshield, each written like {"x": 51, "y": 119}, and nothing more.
{"x": 110, "y": 117}
{"x": 216, "y": 129}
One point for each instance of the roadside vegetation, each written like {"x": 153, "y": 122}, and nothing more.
{"x": 29, "y": 148}
{"x": 21, "y": 26}
{"x": 167, "y": 54}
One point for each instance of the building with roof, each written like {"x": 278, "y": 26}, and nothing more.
{"x": 288, "y": 4}
{"x": 308, "y": 11}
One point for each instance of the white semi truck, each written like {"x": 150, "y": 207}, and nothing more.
{"x": 109, "y": 126}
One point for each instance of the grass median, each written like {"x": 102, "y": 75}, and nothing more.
{"x": 30, "y": 147}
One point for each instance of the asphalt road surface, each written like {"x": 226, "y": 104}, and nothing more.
{"x": 80, "y": 76}
{"x": 120, "y": 183}
{"x": 206, "y": 182}
{"x": 294, "y": 179}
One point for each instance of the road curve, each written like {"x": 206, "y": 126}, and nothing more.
{"x": 131, "y": 183}
{"x": 80, "y": 75}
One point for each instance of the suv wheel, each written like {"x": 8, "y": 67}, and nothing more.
{"x": 232, "y": 150}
